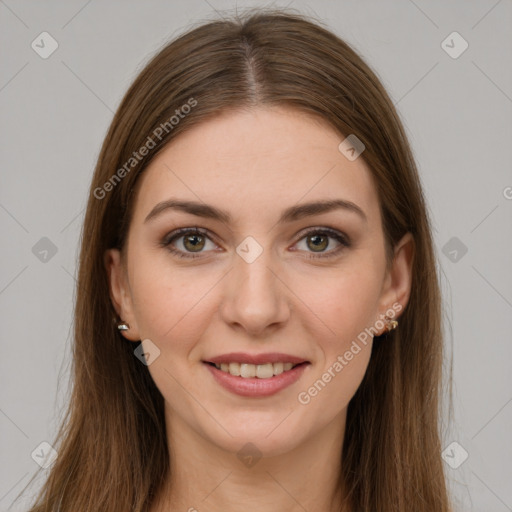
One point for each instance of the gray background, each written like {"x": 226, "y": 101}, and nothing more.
{"x": 458, "y": 115}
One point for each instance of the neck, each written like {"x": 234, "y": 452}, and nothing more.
{"x": 204, "y": 476}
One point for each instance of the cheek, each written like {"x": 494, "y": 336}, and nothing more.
{"x": 170, "y": 303}
{"x": 358, "y": 302}
{"x": 335, "y": 385}
{"x": 345, "y": 301}
{"x": 348, "y": 306}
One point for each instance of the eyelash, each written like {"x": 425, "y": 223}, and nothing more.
{"x": 340, "y": 237}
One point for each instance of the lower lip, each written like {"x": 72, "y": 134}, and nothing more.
{"x": 254, "y": 386}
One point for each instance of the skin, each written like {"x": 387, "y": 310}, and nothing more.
{"x": 254, "y": 164}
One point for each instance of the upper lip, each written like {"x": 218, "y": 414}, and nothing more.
{"x": 242, "y": 357}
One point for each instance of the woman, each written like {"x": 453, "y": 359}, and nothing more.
{"x": 257, "y": 320}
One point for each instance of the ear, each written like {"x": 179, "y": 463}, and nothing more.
{"x": 120, "y": 293}
{"x": 396, "y": 288}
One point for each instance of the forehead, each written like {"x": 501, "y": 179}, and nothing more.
{"x": 257, "y": 161}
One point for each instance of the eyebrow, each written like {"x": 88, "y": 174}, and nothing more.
{"x": 290, "y": 214}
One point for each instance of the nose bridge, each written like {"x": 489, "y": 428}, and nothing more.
{"x": 256, "y": 297}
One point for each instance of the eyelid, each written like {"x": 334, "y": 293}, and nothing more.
{"x": 181, "y": 232}
{"x": 342, "y": 238}
{"x": 334, "y": 233}
{"x": 169, "y": 237}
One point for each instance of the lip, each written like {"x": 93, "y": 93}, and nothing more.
{"x": 255, "y": 387}
{"x": 243, "y": 357}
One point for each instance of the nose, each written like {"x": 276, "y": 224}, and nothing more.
{"x": 255, "y": 297}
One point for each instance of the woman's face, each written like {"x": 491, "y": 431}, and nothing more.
{"x": 271, "y": 276}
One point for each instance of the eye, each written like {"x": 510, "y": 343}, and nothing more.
{"x": 318, "y": 240}
{"x": 194, "y": 240}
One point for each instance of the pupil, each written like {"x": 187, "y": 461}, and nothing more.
{"x": 195, "y": 244}
{"x": 316, "y": 240}
{"x": 317, "y": 237}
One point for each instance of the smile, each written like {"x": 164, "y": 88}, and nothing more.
{"x": 256, "y": 380}
{"x": 260, "y": 371}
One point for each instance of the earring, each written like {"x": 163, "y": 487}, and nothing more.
{"x": 123, "y": 326}
{"x": 390, "y": 325}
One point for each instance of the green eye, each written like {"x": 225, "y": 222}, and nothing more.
{"x": 319, "y": 239}
{"x": 197, "y": 242}
{"x": 194, "y": 240}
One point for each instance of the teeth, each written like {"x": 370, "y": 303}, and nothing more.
{"x": 247, "y": 371}
{"x": 265, "y": 371}
{"x": 234, "y": 369}
{"x": 278, "y": 368}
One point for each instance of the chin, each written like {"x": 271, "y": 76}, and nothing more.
{"x": 268, "y": 433}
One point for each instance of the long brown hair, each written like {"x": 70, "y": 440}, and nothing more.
{"x": 113, "y": 453}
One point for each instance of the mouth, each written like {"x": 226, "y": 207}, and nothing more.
{"x": 259, "y": 371}
{"x": 256, "y": 376}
